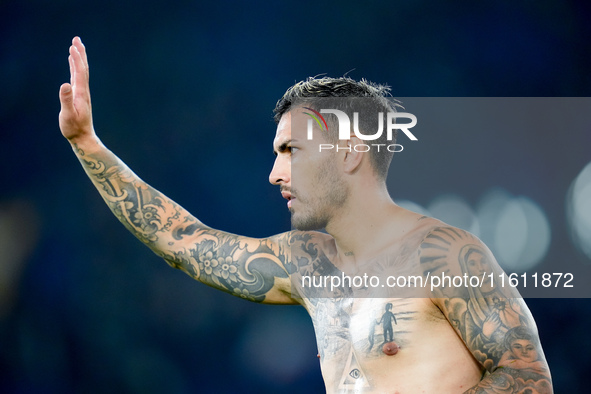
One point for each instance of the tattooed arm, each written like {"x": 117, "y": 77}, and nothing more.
{"x": 494, "y": 322}
{"x": 255, "y": 269}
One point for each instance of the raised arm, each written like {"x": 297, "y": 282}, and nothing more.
{"x": 255, "y": 269}
{"x": 493, "y": 320}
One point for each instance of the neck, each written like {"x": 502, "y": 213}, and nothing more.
{"x": 364, "y": 225}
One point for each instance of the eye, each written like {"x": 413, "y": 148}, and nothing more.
{"x": 293, "y": 149}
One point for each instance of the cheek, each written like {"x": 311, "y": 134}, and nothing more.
{"x": 301, "y": 167}
{"x": 531, "y": 353}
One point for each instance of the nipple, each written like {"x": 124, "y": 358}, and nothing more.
{"x": 390, "y": 348}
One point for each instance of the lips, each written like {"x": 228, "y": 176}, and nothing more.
{"x": 287, "y": 195}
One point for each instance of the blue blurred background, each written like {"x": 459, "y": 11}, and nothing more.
{"x": 183, "y": 93}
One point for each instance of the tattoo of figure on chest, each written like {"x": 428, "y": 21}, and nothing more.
{"x": 368, "y": 327}
{"x": 351, "y": 332}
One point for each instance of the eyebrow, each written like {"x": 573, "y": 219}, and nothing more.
{"x": 282, "y": 148}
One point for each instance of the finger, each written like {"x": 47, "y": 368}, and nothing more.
{"x": 80, "y": 79}
{"x": 70, "y": 62}
{"x": 66, "y": 97}
{"x": 82, "y": 49}
{"x": 65, "y": 92}
{"x": 72, "y": 66}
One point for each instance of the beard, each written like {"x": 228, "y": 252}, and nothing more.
{"x": 308, "y": 221}
{"x": 330, "y": 194}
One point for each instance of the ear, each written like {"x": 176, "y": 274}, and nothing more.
{"x": 351, "y": 159}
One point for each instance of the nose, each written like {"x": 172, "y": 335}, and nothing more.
{"x": 280, "y": 174}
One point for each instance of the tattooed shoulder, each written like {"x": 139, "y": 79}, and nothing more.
{"x": 493, "y": 321}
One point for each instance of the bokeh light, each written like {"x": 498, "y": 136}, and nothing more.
{"x": 516, "y": 229}
{"x": 578, "y": 207}
{"x": 455, "y": 211}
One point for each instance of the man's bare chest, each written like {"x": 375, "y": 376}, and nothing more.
{"x": 359, "y": 339}
{"x": 367, "y": 324}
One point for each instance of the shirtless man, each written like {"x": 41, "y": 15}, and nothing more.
{"x": 448, "y": 339}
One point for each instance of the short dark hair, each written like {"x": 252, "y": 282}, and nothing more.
{"x": 367, "y": 98}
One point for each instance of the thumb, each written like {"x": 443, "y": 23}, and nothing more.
{"x": 66, "y": 96}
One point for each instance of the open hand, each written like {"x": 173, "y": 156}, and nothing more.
{"x": 75, "y": 117}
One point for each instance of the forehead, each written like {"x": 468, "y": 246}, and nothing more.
{"x": 283, "y": 132}
{"x": 521, "y": 342}
{"x": 292, "y": 126}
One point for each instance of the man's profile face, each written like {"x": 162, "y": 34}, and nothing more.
{"x": 309, "y": 179}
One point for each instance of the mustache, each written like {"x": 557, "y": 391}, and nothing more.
{"x": 293, "y": 192}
